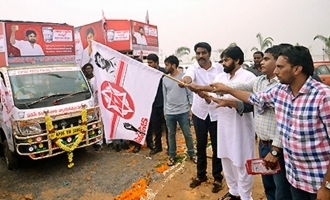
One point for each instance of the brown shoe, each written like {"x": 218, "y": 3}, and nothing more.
{"x": 197, "y": 181}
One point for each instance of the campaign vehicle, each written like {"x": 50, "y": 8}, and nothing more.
{"x": 47, "y": 107}
{"x": 130, "y": 37}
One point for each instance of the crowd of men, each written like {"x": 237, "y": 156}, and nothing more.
{"x": 290, "y": 115}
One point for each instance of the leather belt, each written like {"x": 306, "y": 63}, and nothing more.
{"x": 266, "y": 142}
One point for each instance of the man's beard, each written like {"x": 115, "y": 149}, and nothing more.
{"x": 230, "y": 68}
{"x": 32, "y": 41}
{"x": 169, "y": 71}
{"x": 89, "y": 76}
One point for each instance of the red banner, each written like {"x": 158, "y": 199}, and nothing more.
{"x": 121, "y": 35}
{"x": 115, "y": 35}
{"x": 2, "y": 45}
{"x": 144, "y": 38}
{"x": 39, "y": 39}
{"x": 144, "y": 34}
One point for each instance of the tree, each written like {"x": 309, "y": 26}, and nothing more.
{"x": 181, "y": 51}
{"x": 233, "y": 44}
{"x": 264, "y": 43}
{"x": 219, "y": 51}
{"x": 326, "y": 48}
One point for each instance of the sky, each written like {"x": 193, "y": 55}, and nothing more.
{"x": 187, "y": 22}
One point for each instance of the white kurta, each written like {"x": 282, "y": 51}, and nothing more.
{"x": 235, "y": 132}
{"x": 140, "y": 39}
{"x": 27, "y": 49}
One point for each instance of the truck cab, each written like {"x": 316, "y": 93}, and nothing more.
{"x": 60, "y": 92}
{"x": 47, "y": 106}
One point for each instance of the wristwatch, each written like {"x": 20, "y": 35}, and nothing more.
{"x": 274, "y": 153}
{"x": 327, "y": 184}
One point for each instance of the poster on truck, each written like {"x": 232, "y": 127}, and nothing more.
{"x": 126, "y": 36}
{"x": 144, "y": 38}
{"x": 39, "y": 43}
{"x": 2, "y": 45}
{"x": 114, "y": 34}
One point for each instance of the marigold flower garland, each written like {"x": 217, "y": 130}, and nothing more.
{"x": 137, "y": 191}
{"x": 70, "y": 147}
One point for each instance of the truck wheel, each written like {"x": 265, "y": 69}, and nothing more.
{"x": 1, "y": 151}
{"x": 11, "y": 157}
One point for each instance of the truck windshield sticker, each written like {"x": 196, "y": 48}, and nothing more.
{"x": 41, "y": 70}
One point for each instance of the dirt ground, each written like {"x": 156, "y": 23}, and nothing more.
{"x": 106, "y": 174}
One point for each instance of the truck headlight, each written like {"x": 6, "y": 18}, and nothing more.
{"x": 30, "y": 129}
{"x": 92, "y": 115}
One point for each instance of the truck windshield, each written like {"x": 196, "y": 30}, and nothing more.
{"x": 46, "y": 85}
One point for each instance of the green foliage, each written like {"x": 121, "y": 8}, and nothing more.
{"x": 326, "y": 42}
{"x": 264, "y": 43}
{"x": 181, "y": 51}
{"x": 233, "y": 44}
{"x": 181, "y": 157}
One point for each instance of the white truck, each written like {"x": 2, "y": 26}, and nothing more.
{"x": 47, "y": 107}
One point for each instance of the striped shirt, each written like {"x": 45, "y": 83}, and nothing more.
{"x": 304, "y": 124}
{"x": 265, "y": 123}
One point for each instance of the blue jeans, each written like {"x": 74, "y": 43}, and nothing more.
{"x": 298, "y": 194}
{"x": 183, "y": 120}
{"x": 276, "y": 186}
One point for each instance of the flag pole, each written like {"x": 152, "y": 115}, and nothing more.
{"x": 104, "y": 27}
{"x": 174, "y": 79}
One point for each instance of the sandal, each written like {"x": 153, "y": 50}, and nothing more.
{"x": 197, "y": 181}
{"x": 194, "y": 159}
{"x": 229, "y": 196}
{"x": 171, "y": 161}
{"x": 217, "y": 186}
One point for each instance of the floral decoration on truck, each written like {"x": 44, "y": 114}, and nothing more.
{"x": 69, "y": 148}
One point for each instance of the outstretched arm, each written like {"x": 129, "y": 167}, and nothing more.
{"x": 240, "y": 106}
{"x": 199, "y": 88}
{"x": 205, "y": 96}
{"x": 186, "y": 80}
{"x": 241, "y": 95}
{"x": 225, "y": 102}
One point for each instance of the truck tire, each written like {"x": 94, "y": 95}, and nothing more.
{"x": 10, "y": 157}
{"x": 1, "y": 151}
{"x": 2, "y": 136}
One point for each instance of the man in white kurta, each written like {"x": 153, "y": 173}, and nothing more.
{"x": 28, "y": 49}
{"x": 235, "y": 131}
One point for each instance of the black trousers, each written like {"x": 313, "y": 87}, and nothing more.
{"x": 156, "y": 125}
{"x": 202, "y": 127}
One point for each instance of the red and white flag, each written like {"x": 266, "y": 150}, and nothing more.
{"x": 7, "y": 103}
{"x": 147, "y": 17}
{"x": 126, "y": 90}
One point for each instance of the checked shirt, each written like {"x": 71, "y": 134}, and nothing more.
{"x": 303, "y": 122}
